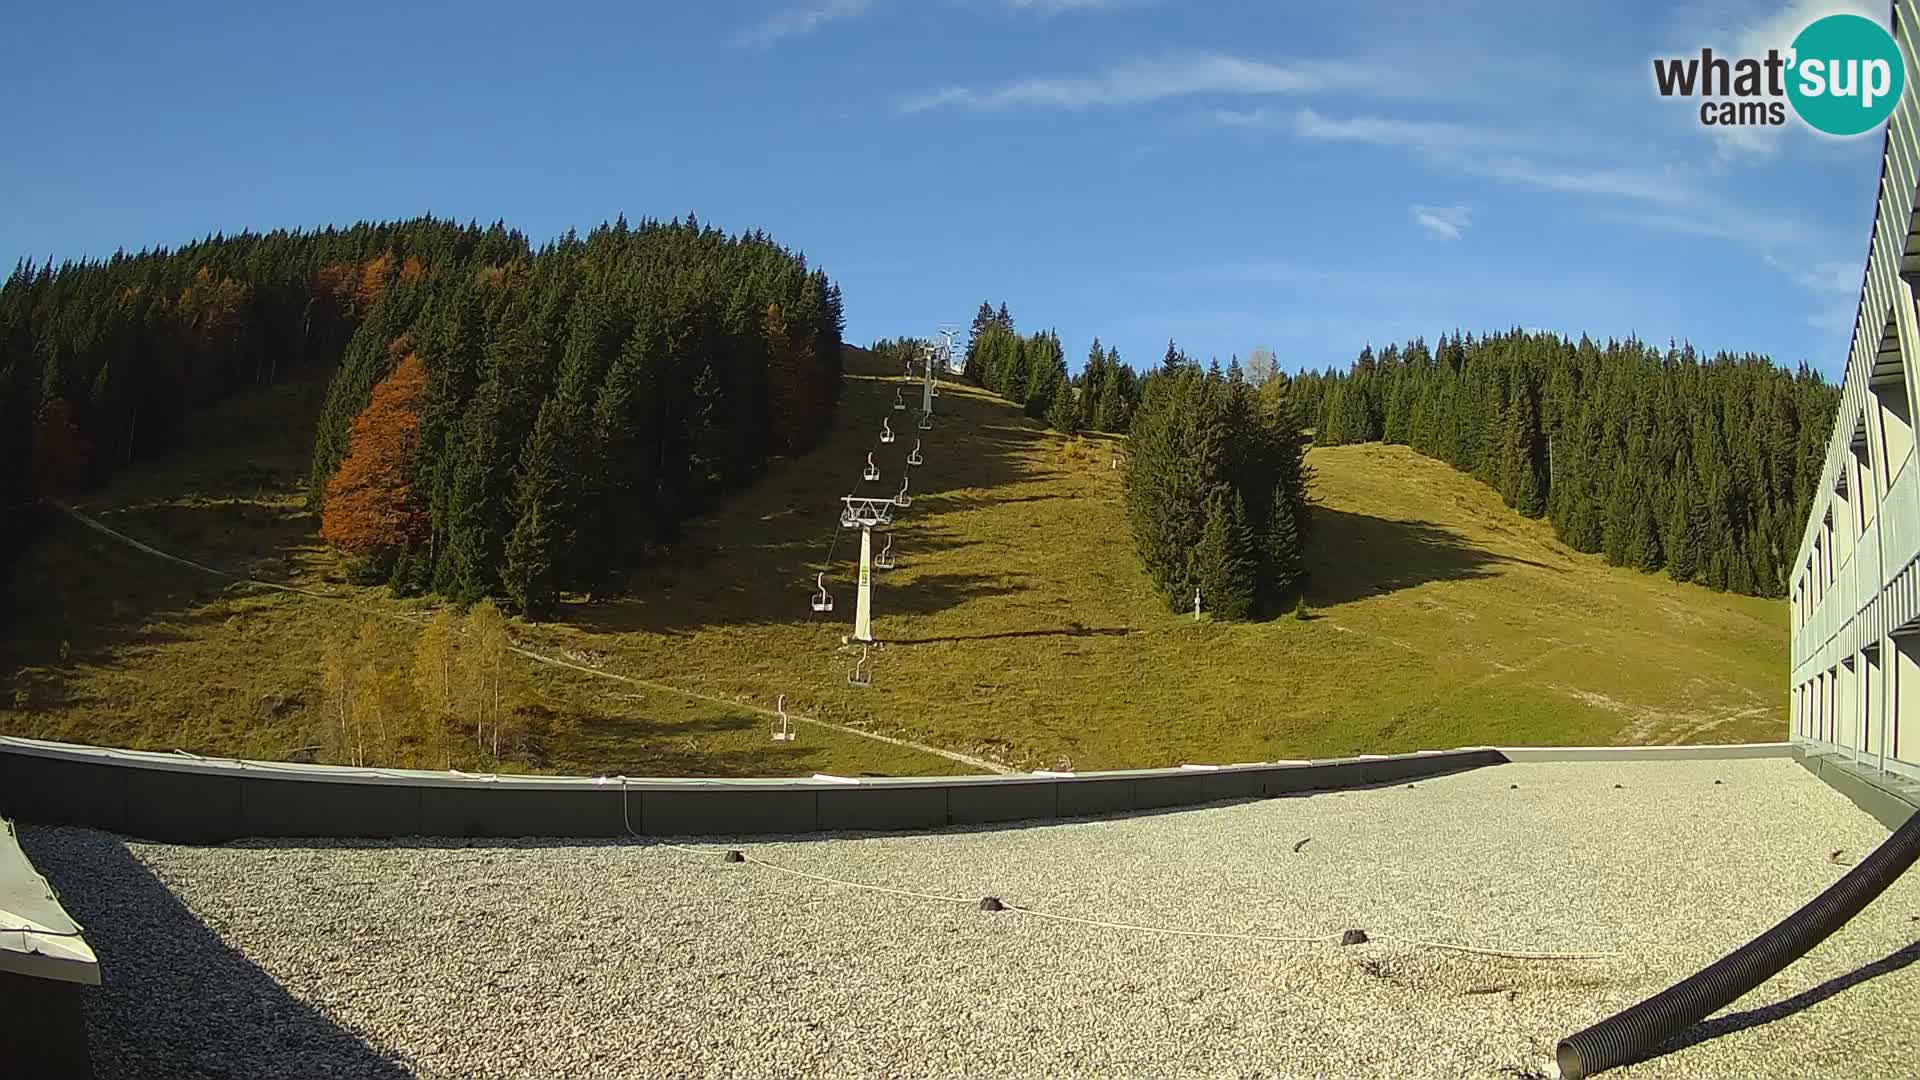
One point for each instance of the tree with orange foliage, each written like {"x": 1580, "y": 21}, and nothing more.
{"x": 59, "y": 450}
{"x": 370, "y": 508}
{"x": 374, "y": 277}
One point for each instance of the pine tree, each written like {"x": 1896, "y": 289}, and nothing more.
{"x": 1223, "y": 566}
{"x": 1063, "y": 414}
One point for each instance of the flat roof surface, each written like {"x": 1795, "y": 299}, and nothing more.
{"x": 497, "y": 958}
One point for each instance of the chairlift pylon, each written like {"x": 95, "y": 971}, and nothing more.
{"x": 823, "y": 600}
{"x": 861, "y": 675}
{"x": 915, "y": 458}
{"x": 784, "y": 732}
{"x": 886, "y": 431}
{"x": 866, "y": 513}
{"x": 884, "y": 560}
{"x": 872, "y": 471}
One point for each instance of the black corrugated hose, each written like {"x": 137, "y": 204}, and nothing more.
{"x": 1631, "y": 1035}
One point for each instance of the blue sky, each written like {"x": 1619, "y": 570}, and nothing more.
{"x": 1307, "y": 176}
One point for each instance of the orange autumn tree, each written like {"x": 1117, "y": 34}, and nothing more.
{"x": 370, "y": 508}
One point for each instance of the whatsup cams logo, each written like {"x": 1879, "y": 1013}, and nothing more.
{"x": 1842, "y": 74}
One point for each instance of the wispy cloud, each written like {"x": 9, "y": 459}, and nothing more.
{"x": 1065, "y": 7}
{"x": 799, "y": 22}
{"x": 1739, "y": 28}
{"x": 1445, "y": 222}
{"x": 1541, "y": 162}
{"x": 1141, "y": 82}
{"x": 1831, "y": 277}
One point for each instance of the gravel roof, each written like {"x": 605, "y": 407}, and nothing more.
{"x": 445, "y": 958}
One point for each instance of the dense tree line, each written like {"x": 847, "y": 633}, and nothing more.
{"x": 1217, "y": 489}
{"x": 100, "y": 360}
{"x": 578, "y": 404}
{"x": 1654, "y": 458}
{"x": 555, "y": 411}
{"x": 1032, "y": 372}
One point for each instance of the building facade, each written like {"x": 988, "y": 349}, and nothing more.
{"x": 1855, "y": 590}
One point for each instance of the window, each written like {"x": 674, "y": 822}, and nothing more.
{"x": 1888, "y": 382}
{"x": 1871, "y": 700}
{"x": 1859, "y": 476}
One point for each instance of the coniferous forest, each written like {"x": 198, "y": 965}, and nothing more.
{"x": 1217, "y": 489}
{"x": 502, "y": 420}
{"x": 1032, "y": 372}
{"x": 1658, "y": 459}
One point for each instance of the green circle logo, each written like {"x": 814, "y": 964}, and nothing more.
{"x": 1845, "y": 75}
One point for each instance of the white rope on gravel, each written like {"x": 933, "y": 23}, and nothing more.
{"x": 1107, "y": 924}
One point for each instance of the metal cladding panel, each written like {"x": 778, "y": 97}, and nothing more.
{"x": 1169, "y": 789}
{"x": 872, "y": 807}
{"x": 183, "y": 806}
{"x": 1090, "y": 797}
{"x": 981, "y": 805}
{"x": 724, "y": 812}
{"x": 57, "y": 792}
{"x": 311, "y": 808}
{"x": 486, "y": 811}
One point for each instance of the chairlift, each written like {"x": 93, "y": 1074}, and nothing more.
{"x": 860, "y": 675}
{"x": 783, "y": 733}
{"x": 886, "y": 431}
{"x": 884, "y": 560}
{"x": 823, "y": 600}
{"x": 926, "y": 421}
{"x": 865, "y": 513}
{"x": 872, "y": 471}
{"x": 899, "y": 403}
{"x": 915, "y": 458}
{"x": 903, "y": 500}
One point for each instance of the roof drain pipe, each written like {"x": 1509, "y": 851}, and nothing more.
{"x": 1637, "y": 1032}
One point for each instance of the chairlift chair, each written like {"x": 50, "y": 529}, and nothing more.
{"x": 872, "y": 471}
{"x": 884, "y": 560}
{"x": 886, "y": 431}
{"x": 823, "y": 600}
{"x": 784, "y": 732}
{"x": 860, "y": 676}
{"x": 903, "y": 500}
{"x": 915, "y": 458}
{"x": 926, "y": 421}
{"x": 899, "y": 403}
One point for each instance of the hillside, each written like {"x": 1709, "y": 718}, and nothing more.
{"x": 1019, "y": 626}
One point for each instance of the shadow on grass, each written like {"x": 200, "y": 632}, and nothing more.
{"x": 174, "y": 999}
{"x": 1806, "y": 999}
{"x": 754, "y": 561}
{"x": 1078, "y": 631}
{"x": 636, "y": 746}
{"x": 1353, "y": 556}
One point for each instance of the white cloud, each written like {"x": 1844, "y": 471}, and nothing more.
{"x": 1445, "y": 222}
{"x": 799, "y": 22}
{"x": 1734, "y": 28}
{"x": 1141, "y": 82}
